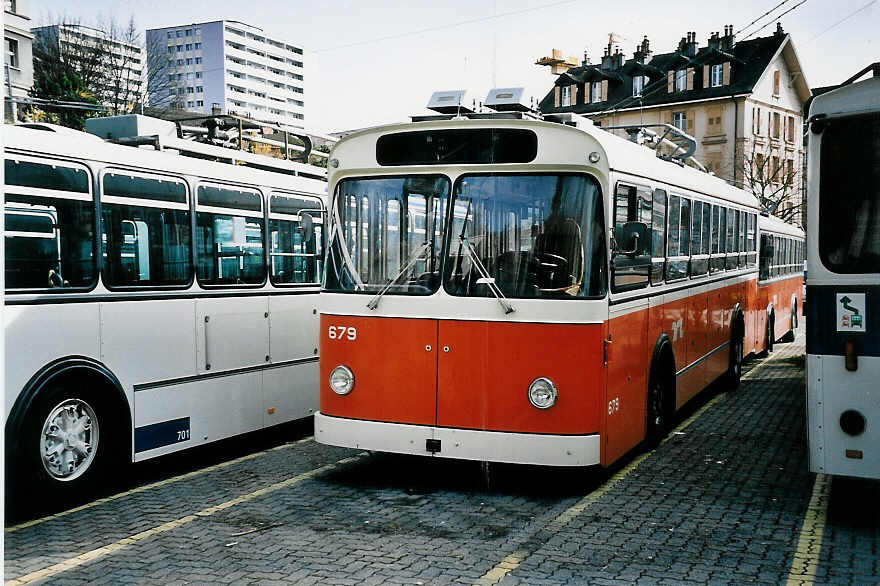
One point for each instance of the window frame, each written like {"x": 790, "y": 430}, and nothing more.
{"x": 680, "y": 80}
{"x": 320, "y": 219}
{"x": 197, "y": 207}
{"x": 151, "y": 203}
{"x": 716, "y": 75}
{"x": 88, "y": 196}
{"x": 637, "y": 191}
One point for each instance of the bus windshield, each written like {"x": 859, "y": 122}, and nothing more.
{"x": 387, "y": 235}
{"x": 536, "y": 236}
{"x": 849, "y": 198}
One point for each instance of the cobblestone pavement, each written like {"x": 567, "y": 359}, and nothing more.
{"x": 727, "y": 499}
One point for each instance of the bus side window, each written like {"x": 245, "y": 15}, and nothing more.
{"x": 146, "y": 234}
{"x": 766, "y": 258}
{"x": 732, "y": 257}
{"x": 750, "y": 240}
{"x": 295, "y": 239}
{"x": 717, "y": 261}
{"x": 229, "y": 236}
{"x": 49, "y": 231}
{"x": 631, "y": 262}
{"x": 678, "y": 241}
{"x": 658, "y": 237}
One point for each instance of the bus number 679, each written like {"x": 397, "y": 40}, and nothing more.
{"x": 342, "y": 333}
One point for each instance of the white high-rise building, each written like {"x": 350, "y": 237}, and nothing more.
{"x": 115, "y": 66}
{"x": 228, "y": 67}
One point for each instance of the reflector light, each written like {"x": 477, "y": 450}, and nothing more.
{"x": 854, "y": 454}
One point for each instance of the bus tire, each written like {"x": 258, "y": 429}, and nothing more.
{"x": 789, "y": 335}
{"x": 72, "y": 446}
{"x": 771, "y": 333}
{"x": 735, "y": 362}
{"x": 660, "y": 395}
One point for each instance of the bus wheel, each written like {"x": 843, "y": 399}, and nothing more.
{"x": 658, "y": 414}
{"x": 69, "y": 443}
{"x": 789, "y": 335}
{"x": 734, "y": 368}
{"x": 771, "y": 333}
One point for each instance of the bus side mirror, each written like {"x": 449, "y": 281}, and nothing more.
{"x": 633, "y": 239}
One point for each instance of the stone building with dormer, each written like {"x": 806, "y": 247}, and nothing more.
{"x": 742, "y": 101}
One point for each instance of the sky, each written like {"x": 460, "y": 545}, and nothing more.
{"x": 378, "y": 61}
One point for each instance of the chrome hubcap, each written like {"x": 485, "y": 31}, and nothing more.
{"x": 69, "y": 440}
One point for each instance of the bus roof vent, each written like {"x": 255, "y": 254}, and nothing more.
{"x": 506, "y": 99}
{"x": 449, "y": 102}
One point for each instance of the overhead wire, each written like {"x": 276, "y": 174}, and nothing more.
{"x": 445, "y": 26}
{"x": 753, "y": 33}
{"x": 745, "y": 28}
{"x": 845, "y": 18}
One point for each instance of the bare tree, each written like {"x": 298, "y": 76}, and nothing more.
{"x": 774, "y": 180}
{"x": 112, "y": 60}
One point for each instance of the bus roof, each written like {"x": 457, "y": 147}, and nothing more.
{"x": 621, "y": 155}
{"x": 863, "y": 96}
{"x": 75, "y": 145}
{"x": 776, "y": 225}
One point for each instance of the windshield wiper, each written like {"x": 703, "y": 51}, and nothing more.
{"x": 413, "y": 259}
{"x": 485, "y": 279}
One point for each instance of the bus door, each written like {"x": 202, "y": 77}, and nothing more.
{"x": 626, "y": 357}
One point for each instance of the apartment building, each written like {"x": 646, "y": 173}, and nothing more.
{"x": 741, "y": 100}
{"x": 18, "y": 75}
{"x": 105, "y": 61}
{"x": 229, "y": 67}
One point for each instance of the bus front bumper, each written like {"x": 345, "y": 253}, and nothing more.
{"x": 464, "y": 444}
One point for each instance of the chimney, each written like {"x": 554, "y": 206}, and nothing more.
{"x": 714, "y": 41}
{"x": 607, "y": 58}
{"x": 682, "y": 45}
{"x": 617, "y": 61}
{"x": 779, "y": 32}
{"x": 689, "y": 47}
{"x": 727, "y": 39}
{"x": 586, "y": 60}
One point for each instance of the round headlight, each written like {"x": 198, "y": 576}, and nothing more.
{"x": 542, "y": 393}
{"x": 341, "y": 380}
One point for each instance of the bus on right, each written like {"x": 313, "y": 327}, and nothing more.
{"x": 843, "y": 255}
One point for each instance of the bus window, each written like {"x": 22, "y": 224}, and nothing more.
{"x": 766, "y": 256}
{"x": 560, "y": 252}
{"x": 632, "y": 215}
{"x": 389, "y": 234}
{"x": 849, "y": 195}
{"x": 295, "y": 239}
{"x": 732, "y": 256}
{"x": 699, "y": 264}
{"x": 750, "y": 240}
{"x": 658, "y": 236}
{"x": 229, "y": 236}
{"x": 49, "y": 219}
{"x": 717, "y": 262}
{"x": 678, "y": 239}
{"x": 146, "y": 234}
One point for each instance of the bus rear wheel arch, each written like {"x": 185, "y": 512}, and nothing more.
{"x": 737, "y": 352}
{"x": 661, "y": 394}
{"x": 71, "y": 440}
{"x": 789, "y": 335}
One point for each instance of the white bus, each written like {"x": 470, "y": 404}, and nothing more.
{"x": 843, "y": 253}
{"x": 154, "y": 301}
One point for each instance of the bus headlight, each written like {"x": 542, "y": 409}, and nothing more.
{"x": 341, "y": 380}
{"x": 542, "y": 393}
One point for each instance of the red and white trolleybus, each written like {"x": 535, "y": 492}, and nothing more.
{"x": 503, "y": 288}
